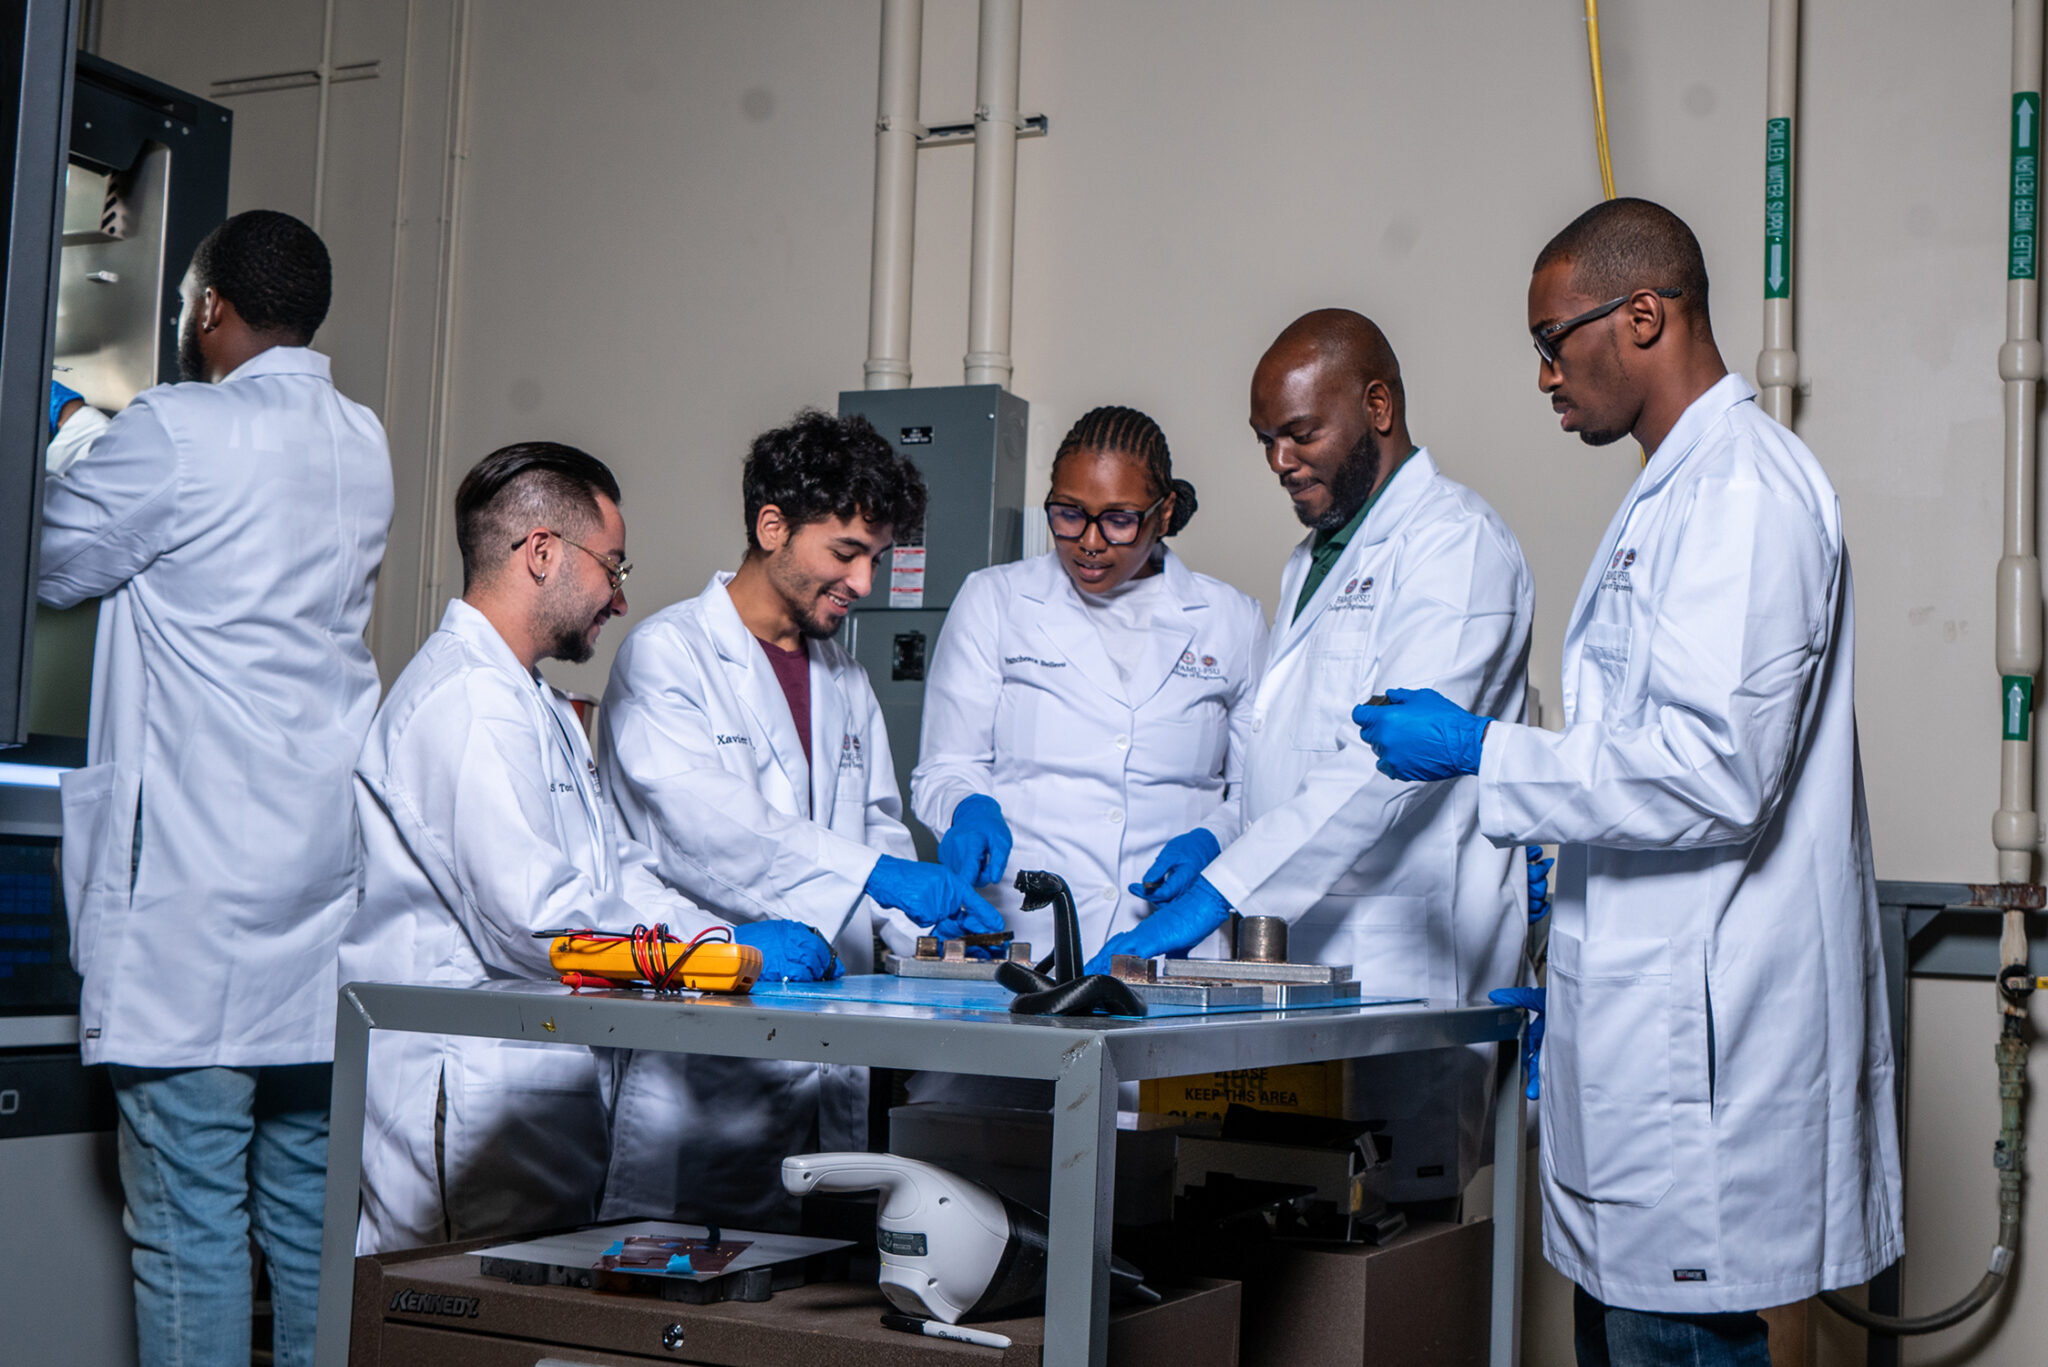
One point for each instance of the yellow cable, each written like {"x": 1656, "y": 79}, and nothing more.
{"x": 1599, "y": 99}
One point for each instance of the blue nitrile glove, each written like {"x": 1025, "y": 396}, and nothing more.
{"x": 1539, "y": 883}
{"x": 1530, "y": 999}
{"x": 1173, "y": 927}
{"x": 933, "y": 896}
{"x": 1178, "y": 866}
{"x": 791, "y": 951}
{"x": 1419, "y": 734}
{"x": 60, "y": 395}
{"x": 977, "y": 845}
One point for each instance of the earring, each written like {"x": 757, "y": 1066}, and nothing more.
{"x": 541, "y": 578}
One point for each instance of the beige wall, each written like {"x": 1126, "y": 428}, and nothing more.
{"x": 659, "y": 246}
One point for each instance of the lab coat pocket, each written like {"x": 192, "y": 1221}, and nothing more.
{"x": 1333, "y": 689}
{"x": 1607, "y": 646}
{"x": 87, "y": 796}
{"x": 1607, "y": 1069}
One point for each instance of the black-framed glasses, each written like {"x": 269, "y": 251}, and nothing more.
{"x": 1119, "y": 526}
{"x": 1546, "y": 336}
{"x": 614, "y": 574}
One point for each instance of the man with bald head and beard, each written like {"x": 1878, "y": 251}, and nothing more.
{"x": 1404, "y": 574}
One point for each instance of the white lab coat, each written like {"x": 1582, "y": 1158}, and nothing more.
{"x": 1024, "y": 704}
{"x": 1393, "y": 878}
{"x": 482, "y": 822}
{"x": 233, "y": 532}
{"x": 699, "y": 751}
{"x": 1717, "y": 1123}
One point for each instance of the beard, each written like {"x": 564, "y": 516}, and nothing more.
{"x": 568, "y": 634}
{"x": 1350, "y": 485}
{"x": 573, "y": 644}
{"x": 799, "y": 593}
{"x": 191, "y": 360}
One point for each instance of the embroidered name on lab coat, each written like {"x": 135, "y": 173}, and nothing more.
{"x": 1617, "y": 576}
{"x": 1034, "y": 660}
{"x": 1355, "y": 596}
{"x": 724, "y": 739}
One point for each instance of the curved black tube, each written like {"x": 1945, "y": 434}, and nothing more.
{"x": 1081, "y": 997}
{"x": 1049, "y": 889}
{"x": 1021, "y": 980}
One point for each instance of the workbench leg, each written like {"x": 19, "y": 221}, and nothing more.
{"x": 1509, "y": 1121}
{"x": 1083, "y": 1175}
{"x": 344, "y": 1181}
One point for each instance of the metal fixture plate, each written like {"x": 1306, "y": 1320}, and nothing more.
{"x": 1249, "y": 971}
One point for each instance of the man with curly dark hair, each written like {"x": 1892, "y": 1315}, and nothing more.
{"x": 746, "y": 746}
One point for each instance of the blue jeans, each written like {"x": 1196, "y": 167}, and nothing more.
{"x": 1608, "y": 1336}
{"x": 207, "y": 1153}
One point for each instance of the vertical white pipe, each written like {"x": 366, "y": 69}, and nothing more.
{"x": 895, "y": 236}
{"x": 995, "y": 192}
{"x": 2015, "y": 828}
{"x": 435, "y": 493}
{"x": 320, "y": 123}
{"x": 1777, "y": 365}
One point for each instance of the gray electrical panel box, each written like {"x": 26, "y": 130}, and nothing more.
{"x": 968, "y": 440}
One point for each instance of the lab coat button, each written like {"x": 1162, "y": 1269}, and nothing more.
{"x": 1109, "y": 894}
{"x": 1123, "y": 742}
{"x": 1259, "y": 724}
{"x": 1116, "y": 816}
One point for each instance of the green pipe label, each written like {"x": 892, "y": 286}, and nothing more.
{"x": 2016, "y": 705}
{"x": 2023, "y": 246}
{"x": 1778, "y": 209}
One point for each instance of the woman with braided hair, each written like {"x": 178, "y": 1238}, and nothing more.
{"x": 1087, "y": 710}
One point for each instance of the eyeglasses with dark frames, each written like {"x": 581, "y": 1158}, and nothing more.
{"x": 1546, "y": 336}
{"x": 1119, "y": 526}
{"x": 614, "y": 574}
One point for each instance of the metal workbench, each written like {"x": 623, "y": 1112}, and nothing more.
{"x": 1085, "y": 1058}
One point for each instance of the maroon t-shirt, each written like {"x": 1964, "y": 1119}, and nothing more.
{"x": 793, "y": 672}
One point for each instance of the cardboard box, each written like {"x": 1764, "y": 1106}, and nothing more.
{"x": 432, "y": 1308}
{"x": 1421, "y": 1300}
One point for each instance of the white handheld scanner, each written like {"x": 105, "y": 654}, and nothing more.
{"x": 948, "y": 1246}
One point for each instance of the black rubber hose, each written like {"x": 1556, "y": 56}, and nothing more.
{"x": 2012, "y": 1086}
{"x": 1901, "y": 1327}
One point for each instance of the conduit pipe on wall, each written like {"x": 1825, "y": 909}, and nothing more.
{"x": 2018, "y": 627}
{"x": 991, "y": 256}
{"x": 320, "y": 122}
{"x": 895, "y": 237}
{"x": 2015, "y": 830}
{"x": 1777, "y": 365}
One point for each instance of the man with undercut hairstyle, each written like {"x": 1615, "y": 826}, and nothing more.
{"x": 745, "y": 745}
{"x": 483, "y": 823}
{"x": 231, "y": 527}
{"x": 1404, "y": 574}
{"x": 1718, "y": 1124}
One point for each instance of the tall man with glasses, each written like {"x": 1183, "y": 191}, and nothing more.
{"x": 1718, "y": 1125}
{"x": 746, "y": 748}
{"x": 1404, "y": 574}
{"x": 231, "y": 527}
